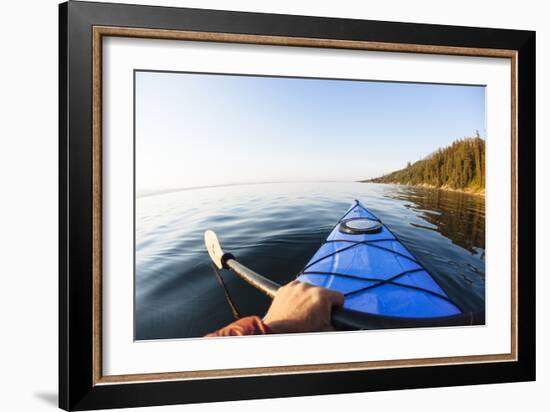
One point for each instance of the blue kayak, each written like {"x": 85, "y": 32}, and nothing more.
{"x": 376, "y": 273}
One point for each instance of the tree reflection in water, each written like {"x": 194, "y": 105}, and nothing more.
{"x": 456, "y": 215}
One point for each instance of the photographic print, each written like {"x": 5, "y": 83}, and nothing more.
{"x": 371, "y": 193}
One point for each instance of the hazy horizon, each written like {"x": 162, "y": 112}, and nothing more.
{"x": 201, "y": 130}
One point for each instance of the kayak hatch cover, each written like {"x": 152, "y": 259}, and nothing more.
{"x": 376, "y": 273}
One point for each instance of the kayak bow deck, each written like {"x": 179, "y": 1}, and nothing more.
{"x": 382, "y": 281}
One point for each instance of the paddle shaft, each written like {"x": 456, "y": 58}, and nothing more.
{"x": 341, "y": 318}
{"x": 255, "y": 279}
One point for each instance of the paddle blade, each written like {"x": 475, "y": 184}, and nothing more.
{"x": 213, "y": 246}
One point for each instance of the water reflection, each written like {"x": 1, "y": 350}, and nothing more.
{"x": 457, "y": 216}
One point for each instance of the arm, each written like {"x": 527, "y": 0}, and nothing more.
{"x": 296, "y": 307}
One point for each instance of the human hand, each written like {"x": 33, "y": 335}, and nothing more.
{"x": 301, "y": 307}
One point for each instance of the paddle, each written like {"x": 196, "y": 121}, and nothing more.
{"x": 341, "y": 318}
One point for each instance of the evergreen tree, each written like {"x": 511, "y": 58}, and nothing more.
{"x": 460, "y": 165}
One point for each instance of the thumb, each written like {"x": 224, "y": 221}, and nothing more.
{"x": 335, "y": 297}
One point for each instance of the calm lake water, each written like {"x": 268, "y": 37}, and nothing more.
{"x": 275, "y": 229}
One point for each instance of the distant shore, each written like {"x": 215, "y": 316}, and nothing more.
{"x": 476, "y": 192}
{"x": 458, "y": 167}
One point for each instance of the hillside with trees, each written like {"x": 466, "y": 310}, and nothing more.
{"x": 459, "y": 166}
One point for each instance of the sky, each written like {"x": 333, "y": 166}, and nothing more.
{"x": 194, "y": 130}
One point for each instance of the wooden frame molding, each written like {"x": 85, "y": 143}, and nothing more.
{"x": 101, "y": 31}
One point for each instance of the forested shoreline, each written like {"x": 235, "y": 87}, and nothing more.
{"x": 459, "y": 166}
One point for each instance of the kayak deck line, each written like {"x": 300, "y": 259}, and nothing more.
{"x": 359, "y": 204}
{"x": 387, "y": 283}
{"x": 355, "y": 243}
{"x": 379, "y": 283}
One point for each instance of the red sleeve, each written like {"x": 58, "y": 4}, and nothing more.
{"x": 250, "y": 325}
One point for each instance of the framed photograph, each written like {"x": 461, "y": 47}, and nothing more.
{"x": 256, "y": 205}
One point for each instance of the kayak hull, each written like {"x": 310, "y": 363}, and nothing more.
{"x": 382, "y": 281}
